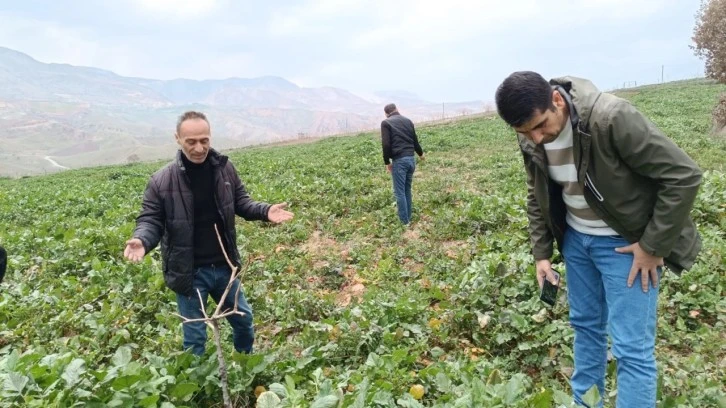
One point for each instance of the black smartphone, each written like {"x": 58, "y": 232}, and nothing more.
{"x": 549, "y": 290}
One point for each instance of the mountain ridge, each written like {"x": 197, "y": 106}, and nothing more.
{"x": 86, "y": 116}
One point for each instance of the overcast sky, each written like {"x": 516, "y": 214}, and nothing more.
{"x": 451, "y": 50}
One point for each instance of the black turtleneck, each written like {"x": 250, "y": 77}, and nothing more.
{"x": 206, "y": 214}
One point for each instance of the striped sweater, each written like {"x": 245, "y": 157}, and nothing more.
{"x": 561, "y": 167}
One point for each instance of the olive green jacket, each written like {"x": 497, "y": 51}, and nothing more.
{"x": 633, "y": 176}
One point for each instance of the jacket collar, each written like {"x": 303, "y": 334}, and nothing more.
{"x": 574, "y": 117}
{"x": 583, "y": 95}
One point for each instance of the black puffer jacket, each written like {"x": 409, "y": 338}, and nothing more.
{"x": 399, "y": 139}
{"x": 167, "y": 214}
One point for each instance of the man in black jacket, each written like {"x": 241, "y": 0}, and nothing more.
{"x": 3, "y": 263}
{"x": 399, "y": 140}
{"x": 183, "y": 203}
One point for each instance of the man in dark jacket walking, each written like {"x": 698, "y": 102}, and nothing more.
{"x": 3, "y": 263}
{"x": 182, "y": 204}
{"x": 399, "y": 140}
{"x": 615, "y": 194}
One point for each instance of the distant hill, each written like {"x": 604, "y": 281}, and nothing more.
{"x": 81, "y": 116}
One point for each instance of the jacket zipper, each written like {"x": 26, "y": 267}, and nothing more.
{"x": 591, "y": 185}
{"x": 223, "y": 227}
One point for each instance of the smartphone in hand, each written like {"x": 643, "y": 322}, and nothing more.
{"x": 549, "y": 290}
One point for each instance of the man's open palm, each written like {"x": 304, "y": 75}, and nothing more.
{"x": 278, "y": 214}
{"x": 134, "y": 251}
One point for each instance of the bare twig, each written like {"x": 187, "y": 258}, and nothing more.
{"x": 213, "y": 320}
{"x": 232, "y": 275}
{"x": 222, "y": 364}
{"x": 201, "y": 304}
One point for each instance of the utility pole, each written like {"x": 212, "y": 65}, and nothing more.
{"x": 662, "y": 68}
{"x": 443, "y": 111}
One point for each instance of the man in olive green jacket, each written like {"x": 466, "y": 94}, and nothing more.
{"x": 615, "y": 194}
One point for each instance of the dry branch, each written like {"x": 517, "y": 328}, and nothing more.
{"x": 213, "y": 320}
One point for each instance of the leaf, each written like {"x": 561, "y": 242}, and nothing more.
{"x": 268, "y": 399}
{"x": 463, "y": 402}
{"x": 408, "y": 402}
{"x": 478, "y": 389}
{"x": 278, "y": 389}
{"x": 592, "y": 396}
{"x": 16, "y": 382}
{"x": 494, "y": 377}
{"x": 125, "y": 382}
{"x": 289, "y": 383}
{"x": 519, "y": 322}
{"x": 256, "y": 363}
{"x": 524, "y": 346}
{"x": 512, "y": 389}
{"x": 122, "y": 356}
{"x": 443, "y": 383}
{"x": 12, "y": 361}
{"x": 341, "y": 396}
{"x": 184, "y": 391}
{"x": 317, "y": 375}
{"x": 373, "y": 360}
{"x": 360, "y": 400}
{"x": 504, "y": 337}
{"x": 73, "y": 372}
{"x": 562, "y": 398}
{"x": 149, "y": 401}
{"x": 436, "y": 352}
{"x": 167, "y": 404}
{"x": 329, "y": 401}
{"x": 81, "y": 393}
{"x": 542, "y": 400}
{"x": 161, "y": 380}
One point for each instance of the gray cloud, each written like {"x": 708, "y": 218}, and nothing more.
{"x": 444, "y": 51}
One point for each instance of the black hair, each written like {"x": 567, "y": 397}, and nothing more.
{"x": 521, "y": 95}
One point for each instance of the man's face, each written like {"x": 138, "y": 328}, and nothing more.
{"x": 194, "y": 138}
{"x": 544, "y": 127}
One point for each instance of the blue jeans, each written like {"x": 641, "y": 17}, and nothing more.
{"x": 402, "y": 175}
{"x": 601, "y": 303}
{"x": 213, "y": 280}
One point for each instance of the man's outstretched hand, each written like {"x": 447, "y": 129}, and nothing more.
{"x": 278, "y": 214}
{"x": 134, "y": 251}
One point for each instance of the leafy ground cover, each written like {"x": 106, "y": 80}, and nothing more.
{"x": 350, "y": 309}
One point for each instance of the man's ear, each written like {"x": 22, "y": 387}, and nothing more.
{"x": 557, "y": 100}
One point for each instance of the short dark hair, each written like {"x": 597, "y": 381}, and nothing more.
{"x": 390, "y": 108}
{"x": 189, "y": 115}
{"x": 521, "y": 95}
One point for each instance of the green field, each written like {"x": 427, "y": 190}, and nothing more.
{"x": 350, "y": 309}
